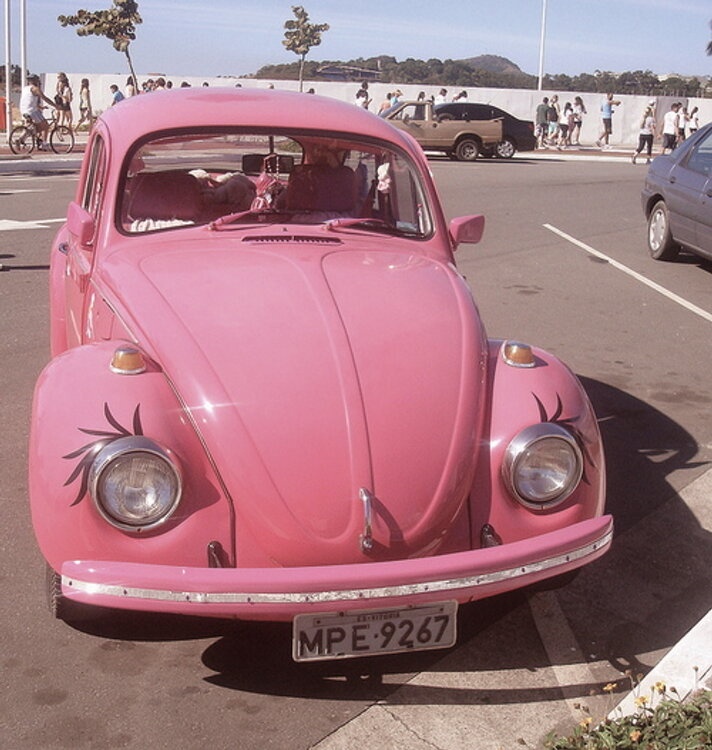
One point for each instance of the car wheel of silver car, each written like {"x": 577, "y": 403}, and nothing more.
{"x": 468, "y": 149}
{"x": 660, "y": 241}
{"x": 506, "y": 149}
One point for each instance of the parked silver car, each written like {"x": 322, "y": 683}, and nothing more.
{"x": 677, "y": 199}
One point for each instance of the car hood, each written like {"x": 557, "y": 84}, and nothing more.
{"x": 326, "y": 382}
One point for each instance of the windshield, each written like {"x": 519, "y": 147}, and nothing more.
{"x": 238, "y": 178}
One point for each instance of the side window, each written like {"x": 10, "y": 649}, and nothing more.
{"x": 410, "y": 112}
{"x": 478, "y": 112}
{"x": 94, "y": 185}
{"x": 700, "y": 159}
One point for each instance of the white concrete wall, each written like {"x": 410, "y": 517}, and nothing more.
{"x": 520, "y": 102}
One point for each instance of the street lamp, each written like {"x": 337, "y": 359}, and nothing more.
{"x": 8, "y": 66}
{"x": 541, "y": 44}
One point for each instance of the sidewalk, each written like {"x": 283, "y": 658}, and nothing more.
{"x": 569, "y": 153}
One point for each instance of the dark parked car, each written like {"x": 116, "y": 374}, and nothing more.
{"x": 677, "y": 199}
{"x": 518, "y": 135}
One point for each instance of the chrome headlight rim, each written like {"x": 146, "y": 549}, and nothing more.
{"x": 521, "y": 445}
{"x": 126, "y": 446}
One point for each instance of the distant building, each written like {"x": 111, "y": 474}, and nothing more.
{"x": 335, "y": 72}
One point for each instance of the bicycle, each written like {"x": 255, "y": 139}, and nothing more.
{"x": 25, "y": 138}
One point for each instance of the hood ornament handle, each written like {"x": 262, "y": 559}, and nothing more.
{"x": 367, "y": 537}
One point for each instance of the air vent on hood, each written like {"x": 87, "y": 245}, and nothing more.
{"x": 292, "y": 238}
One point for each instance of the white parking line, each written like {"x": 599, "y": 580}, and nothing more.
{"x": 11, "y": 224}
{"x": 568, "y": 663}
{"x": 638, "y": 277}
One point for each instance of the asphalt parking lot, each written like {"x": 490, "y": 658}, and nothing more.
{"x": 562, "y": 265}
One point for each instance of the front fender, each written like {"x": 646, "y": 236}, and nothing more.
{"x": 520, "y": 397}
{"x": 78, "y": 401}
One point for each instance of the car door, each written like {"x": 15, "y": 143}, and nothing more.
{"x": 699, "y": 164}
{"x": 687, "y": 181}
{"x": 413, "y": 118}
{"x": 80, "y": 255}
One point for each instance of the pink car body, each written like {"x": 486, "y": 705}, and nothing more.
{"x": 293, "y": 410}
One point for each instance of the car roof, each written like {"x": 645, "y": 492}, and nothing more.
{"x": 201, "y": 107}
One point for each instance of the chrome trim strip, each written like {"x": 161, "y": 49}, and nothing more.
{"x": 339, "y": 595}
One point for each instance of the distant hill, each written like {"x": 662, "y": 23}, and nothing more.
{"x": 491, "y": 63}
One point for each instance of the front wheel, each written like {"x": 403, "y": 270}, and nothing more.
{"x": 506, "y": 149}
{"x": 61, "y": 139}
{"x": 22, "y": 140}
{"x": 468, "y": 149}
{"x": 661, "y": 244}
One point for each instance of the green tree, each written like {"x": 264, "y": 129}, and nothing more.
{"x": 117, "y": 23}
{"x": 300, "y": 36}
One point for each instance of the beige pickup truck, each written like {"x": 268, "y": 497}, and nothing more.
{"x": 459, "y": 139}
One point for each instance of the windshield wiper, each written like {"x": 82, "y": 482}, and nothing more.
{"x": 368, "y": 223}
{"x": 260, "y": 218}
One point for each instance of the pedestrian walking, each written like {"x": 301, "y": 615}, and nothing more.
{"x": 671, "y": 122}
{"x": 542, "y": 122}
{"x": 85, "y": 111}
{"x": 607, "y": 110}
{"x": 579, "y": 112}
{"x": 63, "y": 100}
{"x": 646, "y": 135}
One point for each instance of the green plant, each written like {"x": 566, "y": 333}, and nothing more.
{"x": 117, "y": 23}
{"x": 663, "y": 721}
{"x": 300, "y": 36}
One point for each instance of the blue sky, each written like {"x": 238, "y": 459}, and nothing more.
{"x": 236, "y": 37}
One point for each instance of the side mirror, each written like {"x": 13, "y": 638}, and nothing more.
{"x": 467, "y": 229}
{"x": 80, "y": 224}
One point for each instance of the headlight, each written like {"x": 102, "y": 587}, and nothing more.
{"x": 134, "y": 483}
{"x": 542, "y": 465}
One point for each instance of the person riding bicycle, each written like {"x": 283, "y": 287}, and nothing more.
{"x": 31, "y": 105}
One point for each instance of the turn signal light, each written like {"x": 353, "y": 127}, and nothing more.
{"x": 517, "y": 354}
{"x": 128, "y": 360}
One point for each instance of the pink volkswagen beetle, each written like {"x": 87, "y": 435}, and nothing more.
{"x": 271, "y": 396}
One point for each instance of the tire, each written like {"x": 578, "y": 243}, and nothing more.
{"x": 661, "y": 244}
{"x": 61, "y": 139}
{"x": 22, "y": 140}
{"x": 467, "y": 149}
{"x": 506, "y": 149}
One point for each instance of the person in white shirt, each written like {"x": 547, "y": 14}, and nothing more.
{"x": 31, "y": 100}
{"x": 670, "y": 127}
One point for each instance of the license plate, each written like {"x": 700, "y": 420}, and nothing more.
{"x": 341, "y": 635}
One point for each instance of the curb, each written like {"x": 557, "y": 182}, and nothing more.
{"x": 687, "y": 667}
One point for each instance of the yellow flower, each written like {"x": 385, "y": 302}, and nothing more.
{"x": 610, "y": 687}
{"x": 641, "y": 701}
{"x": 660, "y": 687}
{"x": 635, "y": 735}
{"x": 586, "y": 723}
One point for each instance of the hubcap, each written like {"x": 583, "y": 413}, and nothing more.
{"x": 657, "y": 230}
{"x": 505, "y": 149}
